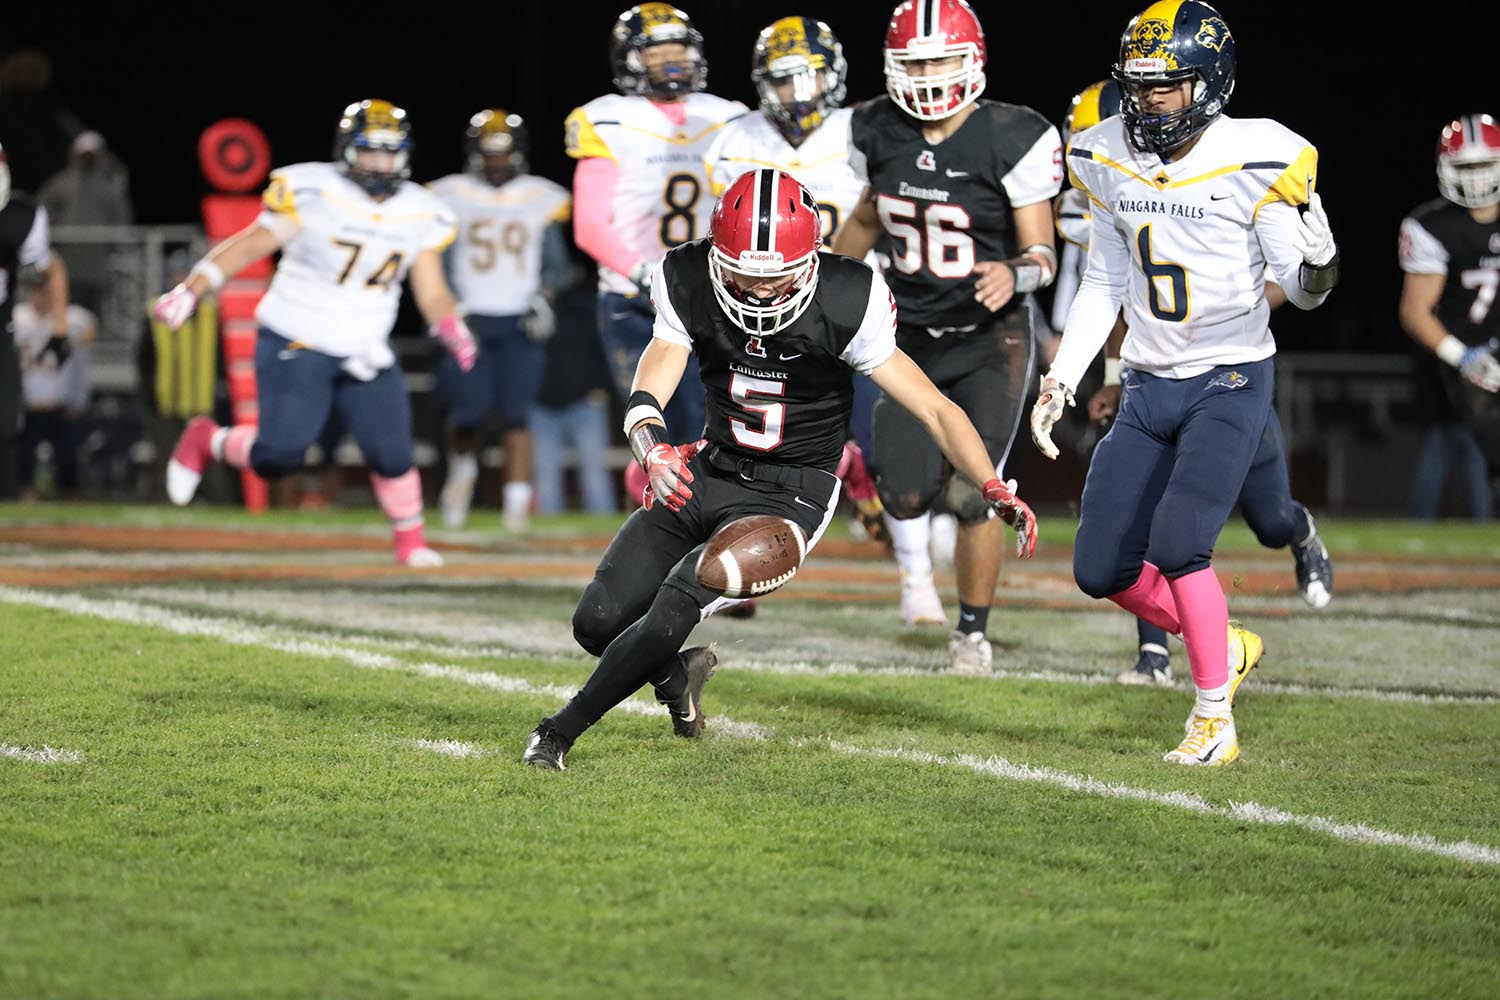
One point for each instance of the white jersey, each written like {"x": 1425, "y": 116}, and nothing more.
{"x": 1187, "y": 245}
{"x": 496, "y": 265}
{"x": 662, "y": 198}
{"x": 338, "y": 285}
{"x": 46, "y": 385}
{"x": 821, "y": 163}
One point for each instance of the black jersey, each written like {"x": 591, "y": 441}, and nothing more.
{"x": 1443, "y": 238}
{"x": 947, "y": 206}
{"x": 783, "y": 398}
{"x": 20, "y": 244}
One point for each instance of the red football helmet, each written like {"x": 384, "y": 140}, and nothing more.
{"x": 1468, "y": 162}
{"x": 765, "y": 229}
{"x": 934, "y": 29}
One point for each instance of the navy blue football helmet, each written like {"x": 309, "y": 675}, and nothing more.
{"x": 804, "y": 54}
{"x": 650, "y": 24}
{"x": 1170, "y": 42}
{"x": 496, "y": 146}
{"x": 379, "y": 126}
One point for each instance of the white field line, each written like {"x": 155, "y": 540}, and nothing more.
{"x": 44, "y": 755}
{"x": 534, "y": 640}
{"x": 250, "y": 635}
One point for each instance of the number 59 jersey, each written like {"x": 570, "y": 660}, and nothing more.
{"x": 662, "y": 198}
{"x": 496, "y": 265}
{"x": 338, "y": 284}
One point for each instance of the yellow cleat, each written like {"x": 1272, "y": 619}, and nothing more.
{"x": 1208, "y": 743}
{"x": 1245, "y": 650}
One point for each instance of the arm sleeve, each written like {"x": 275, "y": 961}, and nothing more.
{"x": 1276, "y": 229}
{"x": 593, "y": 208}
{"x": 875, "y": 340}
{"x": 36, "y": 249}
{"x": 1066, "y": 286}
{"x": 1419, "y": 251}
{"x": 668, "y": 326}
{"x": 1038, "y": 175}
{"x": 279, "y": 211}
{"x": 1092, "y": 314}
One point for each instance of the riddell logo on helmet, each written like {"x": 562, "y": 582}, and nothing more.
{"x": 761, "y": 257}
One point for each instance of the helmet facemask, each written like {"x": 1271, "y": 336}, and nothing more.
{"x": 934, "y": 96}
{"x": 1160, "y": 133}
{"x": 762, "y": 317}
{"x": 1470, "y": 177}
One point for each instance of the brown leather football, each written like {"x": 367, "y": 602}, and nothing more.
{"x": 752, "y": 556}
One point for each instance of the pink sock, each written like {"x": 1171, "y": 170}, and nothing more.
{"x": 411, "y": 538}
{"x": 1205, "y": 626}
{"x": 856, "y": 476}
{"x": 237, "y": 442}
{"x": 401, "y": 497}
{"x": 1151, "y": 598}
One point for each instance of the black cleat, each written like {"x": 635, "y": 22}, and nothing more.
{"x": 687, "y": 710}
{"x": 1314, "y": 567}
{"x": 546, "y": 748}
{"x": 1151, "y": 668}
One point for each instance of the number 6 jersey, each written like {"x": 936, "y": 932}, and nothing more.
{"x": 784, "y": 398}
{"x": 338, "y": 284}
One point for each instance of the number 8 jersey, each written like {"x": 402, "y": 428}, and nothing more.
{"x": 662, "y": 198}
{"x": 338, "y": 284}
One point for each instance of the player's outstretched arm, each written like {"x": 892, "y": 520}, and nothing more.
{"x": 1419, "y": 298}
{"x": 220, "y": 264}
{"x": 438, "y": 306}
{"x": 656, "y": 377}
{"x": 901, "y": 380}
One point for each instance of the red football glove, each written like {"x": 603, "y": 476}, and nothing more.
{"x": 1013, "y": 511}
{"x": 667, "y": 475}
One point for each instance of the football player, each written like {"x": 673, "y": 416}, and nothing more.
{"x": 25, "y": 243}
{"x": 1265, "y": 501}
{"x": 1183, "y": 198}
{"x": 1450, "y": 251}
{"x": 798, "y": 69}
{"x": 959, "y": 195}
{"x": 779, "y": 329}
{"x": 505, "y": 216}
{"x": 349, "y": 233}
{"x": 639, "y": 188}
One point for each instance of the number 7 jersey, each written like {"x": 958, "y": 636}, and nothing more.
{"x": 662, "y": 198}
{"x": 338, "y": 284}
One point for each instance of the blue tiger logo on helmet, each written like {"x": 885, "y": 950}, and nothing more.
{"x": 799, "y": 70}
{"x": 650, "y": 24}
{"x": 1171, "y": 42}
{"x": 372, "y": 146}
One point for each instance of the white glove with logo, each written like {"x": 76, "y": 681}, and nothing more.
{"x": 1479, "y": 366}
{"x": 1314, "y": 237}
{"x": 1047, "y": 411}
{"x": 174, "y": 307}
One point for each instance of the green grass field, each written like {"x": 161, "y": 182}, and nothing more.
{"x": 291, "y": 770}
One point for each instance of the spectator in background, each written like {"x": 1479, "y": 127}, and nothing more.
{"x": 54, "y": 386}
{"x": 573, "y": 403}
{"x": 92, "y": 190}
{"x": 35, "y": 127}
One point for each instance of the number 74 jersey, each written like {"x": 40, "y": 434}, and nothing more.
{"x": 338, "y": 284}
{"x": 662, "y": 198}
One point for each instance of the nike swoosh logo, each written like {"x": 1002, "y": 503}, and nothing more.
{"x": 804, "y": 502}
{"x": 967, "y": 618}
{"x": 692, "y": 712}
{"x": 957, "y": 173}
{"x": 285, "y": 355}
{"x": 1219, "y": 197}
{"x": 790, "y": 357}
{"x": 618, "y": 315}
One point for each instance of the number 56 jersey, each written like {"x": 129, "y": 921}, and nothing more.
{"x": 662, "y": 198}
{"x": 338, "y": 284}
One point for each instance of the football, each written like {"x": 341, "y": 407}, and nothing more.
{"x": 752, "y": 556}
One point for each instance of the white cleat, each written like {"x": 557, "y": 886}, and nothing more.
{"x": 1210, "y": 742}
{"x": 193, "y": 453}
{"x": 422, "y": 558}
{"x": 920, "y": 602}
{"x": 969, "y": 653}
{"x": 454, "y": 500}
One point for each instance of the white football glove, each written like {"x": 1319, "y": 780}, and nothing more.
{"x": 1479, "y": 366}
{"x": 1047, "y": 411}
{"x": 1314, "y": 237}
{"x": 174, "y": 307}
{"x": 540, "y": 322}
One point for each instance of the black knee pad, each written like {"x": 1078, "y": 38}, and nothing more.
{"x": 903, "y": 505}
{"x": 673, "y": 615}
{"x": 964, "y": 501}
{"x": 596, "y": 620}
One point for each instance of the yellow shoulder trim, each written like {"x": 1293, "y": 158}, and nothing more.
{"x": 1296, "y": 183}
{"x": 581, "y": 138}
{"x": 563, "y": 212}
{"x": 278, "y": 198}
